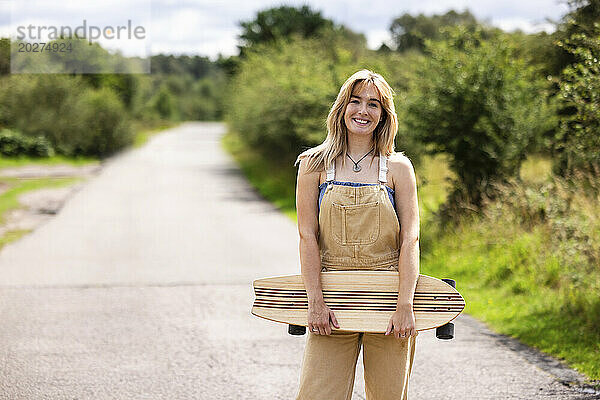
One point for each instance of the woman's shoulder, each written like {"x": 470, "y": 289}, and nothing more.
{"x": 399, "y": 160}
{"x": 400, "y": 166}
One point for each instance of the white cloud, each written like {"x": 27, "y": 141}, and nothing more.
{"x": 208, "y": 27}
{"x": 376, "y": 37}
{"x": 525, "y": 25}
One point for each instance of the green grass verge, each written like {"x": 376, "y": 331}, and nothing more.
{"x": 12, "y": 236}
{"x": 9, "y": 199}
{"x": 8, "y": 162}
{"x": 519, "y": 288}
{"x": 145, "y": 130}
{"x": 275, "y": 183}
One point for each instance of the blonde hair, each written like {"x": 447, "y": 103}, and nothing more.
{"x": 335, "y": 144}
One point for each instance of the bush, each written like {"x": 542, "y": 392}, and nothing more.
{"x": 578, "y": 142}
{"x": 478, "y": 102}
{"x": 14, "y": 144}
{"x": 106, "y": 123}
{"x": 73, "y": 117}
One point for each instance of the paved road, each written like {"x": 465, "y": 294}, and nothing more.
{"x": 140, "y": 289}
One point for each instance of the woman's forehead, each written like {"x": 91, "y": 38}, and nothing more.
{"x": 367, "y": 88}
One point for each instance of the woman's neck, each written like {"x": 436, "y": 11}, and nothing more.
{"x": 359, "y": 145}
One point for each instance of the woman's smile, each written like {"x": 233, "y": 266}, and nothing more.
{"x": 361, "y": 121}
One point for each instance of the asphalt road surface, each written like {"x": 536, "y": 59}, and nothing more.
{"x": 140, "y": 288}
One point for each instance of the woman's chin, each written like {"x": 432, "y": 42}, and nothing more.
{"x": 361, "y": 132}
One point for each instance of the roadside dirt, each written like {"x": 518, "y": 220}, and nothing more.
{"x": 38, "y": 206}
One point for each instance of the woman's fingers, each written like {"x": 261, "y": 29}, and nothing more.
{"x": 322, "y": 324}
{"x": 334, "y": 319}
{"x": 390, "y": 327}
{"x": 322, "y": 330}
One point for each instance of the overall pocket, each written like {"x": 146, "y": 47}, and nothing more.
{"x": 355, "y": 224}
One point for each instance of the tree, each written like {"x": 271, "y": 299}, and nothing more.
{"x": 578, "y": 141}
{"x": 409, "y": 32}
{"x": 476, "y": 101}
{"x": 281, "y": 23}
{"x": 4, "y": 56}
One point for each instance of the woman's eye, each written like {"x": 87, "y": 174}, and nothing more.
{"x": 353, "y": 101}
{"x": 373, "y": 104}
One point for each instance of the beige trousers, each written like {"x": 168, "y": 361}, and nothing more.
{"x": 330, "y": 361}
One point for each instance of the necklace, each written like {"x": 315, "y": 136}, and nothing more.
{"x": 357, "y": 167}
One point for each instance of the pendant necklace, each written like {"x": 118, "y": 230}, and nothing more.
{"x": 357, "y": 167}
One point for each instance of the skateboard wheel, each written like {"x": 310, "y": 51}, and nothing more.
{"x": 450, "y": 282}
{"x": 296, "y": 330}
{"x": 445, "y": 332}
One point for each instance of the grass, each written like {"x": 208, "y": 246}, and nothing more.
{"x": 12, "y": 236}
{"x": 145, "y": 130}
{"x": 9, "y": 199}
{"x": 518, "y": 278}
{"x": 9, "y": 162}
{"x": 513, "y": 282}
{"x": 276, "y": 183}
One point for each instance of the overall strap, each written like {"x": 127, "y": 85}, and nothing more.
{"x": 383, "y": 169}
{"x": 331, "y": 172}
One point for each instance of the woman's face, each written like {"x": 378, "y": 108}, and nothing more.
{"x": 363, "y": 111}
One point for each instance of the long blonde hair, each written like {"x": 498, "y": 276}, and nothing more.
{"x": 335, "y": 144}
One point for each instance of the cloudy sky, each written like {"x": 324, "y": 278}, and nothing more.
{"x": 210, "y": 27}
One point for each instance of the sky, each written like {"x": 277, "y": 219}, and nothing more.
{"x": 210, "y": 27}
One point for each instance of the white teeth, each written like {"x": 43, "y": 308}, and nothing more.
{"x": 361, "y": 121}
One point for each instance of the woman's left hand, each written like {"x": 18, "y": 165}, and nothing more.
{"x": 402, "y": 322}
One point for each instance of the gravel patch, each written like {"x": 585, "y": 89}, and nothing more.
{"x": 39, "y": 206}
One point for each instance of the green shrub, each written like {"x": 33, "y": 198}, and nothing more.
{"x": 106, "y": 122}
{"x": 14, "y": 144}
{"x": 74, "y": 118}
{"x": 478, "y": 102}
{"x": 163, "y": 103}
{"x": 578, "y": 141}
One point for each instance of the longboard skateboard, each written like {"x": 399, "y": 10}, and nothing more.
{"x": 363, "y": 301}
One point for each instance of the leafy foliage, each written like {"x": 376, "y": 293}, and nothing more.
{"x": 13, "y": 144}
{"x": 578, "y": 142}
{"x": 73, "y": 117}
{"x": 474, "y": 100}
{"x": 410, "y": 32}
{"x": 282, "y": 22}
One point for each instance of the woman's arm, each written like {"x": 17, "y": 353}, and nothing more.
{"x": 307, "y": 196}
{"x": 407, "y": 208}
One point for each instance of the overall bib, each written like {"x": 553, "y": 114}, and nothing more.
{"x": 358, "y": 230}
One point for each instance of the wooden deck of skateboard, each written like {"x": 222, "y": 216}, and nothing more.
{"x": 362, "y": 301}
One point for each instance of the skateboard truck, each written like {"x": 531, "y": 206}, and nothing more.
{"x": 446, "y": 332}
{"x": 296, "y": 330}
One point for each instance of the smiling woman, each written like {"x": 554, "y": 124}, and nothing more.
{"x": 353, "y": 223}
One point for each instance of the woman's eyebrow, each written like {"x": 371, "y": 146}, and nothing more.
{"x": 372, "y": 98}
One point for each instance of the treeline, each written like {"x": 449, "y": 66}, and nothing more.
{"x": 94, "y": 114}
{"x": 486, "y": 97}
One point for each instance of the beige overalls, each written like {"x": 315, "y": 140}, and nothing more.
{"x": 358, "y": 230}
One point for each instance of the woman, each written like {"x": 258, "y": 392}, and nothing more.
{"x": 353, "y": 194}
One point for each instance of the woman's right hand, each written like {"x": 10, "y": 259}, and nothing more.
{"x": 320, "y": 318}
